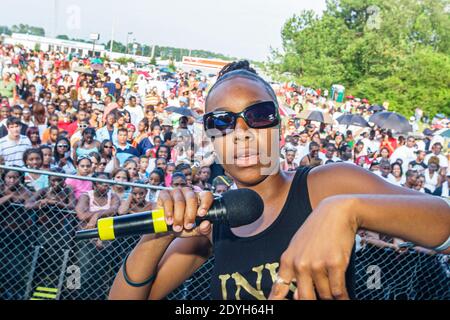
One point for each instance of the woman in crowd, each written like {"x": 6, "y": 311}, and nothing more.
{"x": 86, "y": 145}
{"x": 133, "y": 169}
{"x": 62, "y": 156}
{"x": 396, "y": 177}
{"x": 432, "y": 177}
{"x": 33, "y": 159}
{"x": 84, "y": 169}
{"x": 33, "y": 135}
{"x": 121, "y": 175}
{"x": 47, "y": 160}
{"x": 137, "y": 202}
{"x": 107, "y": 152}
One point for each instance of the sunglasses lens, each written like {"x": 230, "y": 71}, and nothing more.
{"x": 263, "y": 115}
{"x": 221, "y": 122}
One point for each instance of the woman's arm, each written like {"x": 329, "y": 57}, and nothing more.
{"x": 381, "y": 206}
{"x": 319, "y": 254}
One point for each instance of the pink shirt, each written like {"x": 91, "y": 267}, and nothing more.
{"x": 79, "y": 187}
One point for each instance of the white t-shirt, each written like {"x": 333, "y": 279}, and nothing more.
{"x": 136, "y": 113}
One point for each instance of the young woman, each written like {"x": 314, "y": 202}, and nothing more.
{"x": 310, "y": 219}
{"x": 133, "y": 169}
{"x": 47, "y": 157}
{"x": 121, "y": 175}
{"x": 33, "y": 159}
{"x": 396, "y": 177}
{"x": 107, "y": 152}
{"x": 62, "y": 156}
{"x": 79, "y": 187}
{"x": 86, "y": 145}
{"x": 33, "y": 135}
{"x": 137, "y": 202}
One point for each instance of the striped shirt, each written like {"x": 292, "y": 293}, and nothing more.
{"x": 12, "y": 151}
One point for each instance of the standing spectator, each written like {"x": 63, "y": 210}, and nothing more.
{"x": 396, "y": 177}
{"x": 13, "y": 146}
{"x": 62, "y": 156}
{"x": 80, "y": 187}
{"x": 135, "y": 110}
{"x": 124, "y": 150}
{"x": 312, "y": 159}
{"x": 121, "y": 175}
{"x": 33, "y": 159}
{"x": 107, "y": 153}
{"x": 87, "y": 145}
{"x": 109, "y": 131}
{"x": 33, "y": 135}
{"x": 405, "y": 152}
{"x": 288, "y": 164}
{"x": 411, "y": 179}
{"x": 436, "y": 149}
{"x": 443, "y": 190}
{"x": 419, "y": 164}
{"x": 432, "y": 177}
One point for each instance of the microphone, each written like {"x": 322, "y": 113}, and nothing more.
{"x": 236, "y": 208}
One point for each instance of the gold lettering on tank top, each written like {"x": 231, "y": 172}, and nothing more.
{"x": 242, "y": 283}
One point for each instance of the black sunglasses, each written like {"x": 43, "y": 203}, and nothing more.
{"x": 262, "y": 115}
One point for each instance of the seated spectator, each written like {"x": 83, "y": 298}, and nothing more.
{"x": 143, "y": 165}
{"x": 107, "y": 153}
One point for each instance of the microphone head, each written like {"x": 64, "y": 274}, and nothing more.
{"x": 243, "y": 207}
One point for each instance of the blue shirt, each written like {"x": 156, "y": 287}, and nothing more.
{"x": 124, "y": 154}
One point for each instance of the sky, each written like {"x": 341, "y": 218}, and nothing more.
{"x": 239, "y": 28}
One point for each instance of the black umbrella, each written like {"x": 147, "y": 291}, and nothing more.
{"x": 392, "y": 121}
{"x": 182, "y": 111}
{"x": 318, "y": 116}
{"x": 376, "y": 108}
{"x": 353, "y": 120}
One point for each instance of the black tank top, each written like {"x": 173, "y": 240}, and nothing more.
{"x": 246, "y": 268}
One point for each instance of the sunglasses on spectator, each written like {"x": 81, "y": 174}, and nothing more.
{"x": 62, "y": 146}
{"x": 262, "y": 115}
{"x": 83, "y": 126}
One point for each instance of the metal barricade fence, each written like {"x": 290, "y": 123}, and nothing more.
{"x": 40, "y": 260}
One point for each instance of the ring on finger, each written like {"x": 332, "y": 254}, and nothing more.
{"x": 280, "y": 280}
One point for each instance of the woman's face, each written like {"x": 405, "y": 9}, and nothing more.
{"x": 47, "y": 157}
{"x": 34, "y": 161}
{"x": 53, "y": 121}
{"x": 396, "y": 171}
{"x": 54, "y": 135}
{"x": 34, "y": 137}
{"x": 160, "y": 163}
{"x": 12, "y": 178}
{"x": 156, "y": 131}
{"x": 121, "y": 177}
{"x": 384, "y": 153}
{"x": 138, "y": 195}
{"x": 155, "y": 179}
{"x": 102, "y": 188}
{"x": 141, "y": 127}
{"x": 163, "y": 153}
{"x": 84, "y": 167}
{"x": 108, "y": 148}
{"x": 88, "y": 137}
{"x": 290, "y": 156}
{"x": 249, "y": 155}
{"x": 179, "y": 183}
{"x": 432, "y": 167}
{"x": 170, "y": 170}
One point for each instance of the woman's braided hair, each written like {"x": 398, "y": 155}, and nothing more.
{"x": 242, "y": 69}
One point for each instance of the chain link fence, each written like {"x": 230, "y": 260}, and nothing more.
{"x": 39, "y": 260}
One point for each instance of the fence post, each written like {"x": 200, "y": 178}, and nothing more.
{"x": 31, "y": 274}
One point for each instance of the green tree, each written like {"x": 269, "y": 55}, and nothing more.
{"x": 379, "y": 49}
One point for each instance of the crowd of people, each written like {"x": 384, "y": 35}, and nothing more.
{"x": 112, "y": 122}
